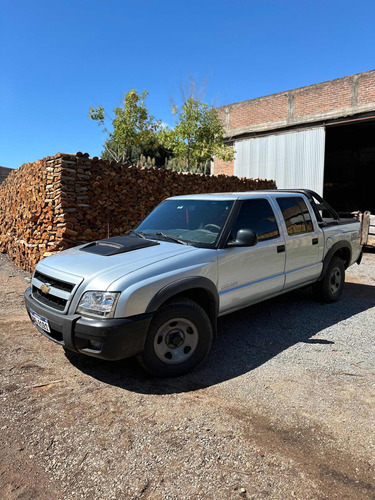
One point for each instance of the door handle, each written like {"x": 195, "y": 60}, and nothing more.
{"x": 315, "y": 241}
{"x": 281, "y": 248}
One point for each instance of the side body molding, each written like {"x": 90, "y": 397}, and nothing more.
{"x": 187, "y": 285}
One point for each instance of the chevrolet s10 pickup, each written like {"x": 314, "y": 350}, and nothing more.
{"x": 157, "y": 291}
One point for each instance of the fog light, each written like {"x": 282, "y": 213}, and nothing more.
{"x": 96, "y": 346}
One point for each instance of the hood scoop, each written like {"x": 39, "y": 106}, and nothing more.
{"x": 116, "y": 245}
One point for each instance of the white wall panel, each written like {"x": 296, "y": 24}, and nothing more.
{"x": 293, "y": 160}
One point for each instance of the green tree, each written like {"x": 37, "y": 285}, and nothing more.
{"x": 135, "y": 132}
{"x": 198, "y": 136}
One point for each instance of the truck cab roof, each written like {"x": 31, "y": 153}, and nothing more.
{"x": 243, "y": 195}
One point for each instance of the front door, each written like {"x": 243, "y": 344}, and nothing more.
{"x": 248, "y": 274}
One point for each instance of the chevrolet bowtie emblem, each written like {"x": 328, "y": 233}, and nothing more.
{"x": 45, "y": 288}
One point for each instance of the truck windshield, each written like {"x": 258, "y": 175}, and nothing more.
{"x": 195, "y": 222}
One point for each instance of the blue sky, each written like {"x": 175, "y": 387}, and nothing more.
{"x": 60, "y": 57}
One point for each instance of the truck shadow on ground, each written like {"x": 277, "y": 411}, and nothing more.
{"x": 246, "y": 340}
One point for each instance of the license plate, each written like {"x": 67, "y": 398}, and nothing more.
{"x": 40, "y": 321}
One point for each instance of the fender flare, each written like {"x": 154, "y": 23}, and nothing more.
{"x": 327, "y": 259}
{"x": 183, "y": 285}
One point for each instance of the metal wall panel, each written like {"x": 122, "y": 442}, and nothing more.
{"x": 293, "y": 160}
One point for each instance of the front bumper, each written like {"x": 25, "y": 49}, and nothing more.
{"x": 110, "y": 339}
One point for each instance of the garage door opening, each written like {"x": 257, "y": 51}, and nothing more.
{"x": 349, "y": 172}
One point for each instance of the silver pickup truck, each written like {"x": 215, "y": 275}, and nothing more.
{"x": 157, "y": 291}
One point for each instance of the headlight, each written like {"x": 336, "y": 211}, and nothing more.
{"x": 98, "y": 304}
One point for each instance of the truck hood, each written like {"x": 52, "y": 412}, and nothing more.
{"x": 102, "y": 270}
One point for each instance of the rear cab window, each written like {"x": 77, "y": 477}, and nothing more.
{"x": 296, "y": 215}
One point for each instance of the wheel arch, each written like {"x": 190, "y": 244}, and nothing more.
{"x": 199, "y": 289}
{"x": 340, "y": 249}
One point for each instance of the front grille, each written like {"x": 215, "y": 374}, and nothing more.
{"x": 61, "y": 285}
{"x": 48, "y": 299}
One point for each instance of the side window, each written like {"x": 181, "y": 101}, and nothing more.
{"x": 258, "y": 216}
{"x": 296, "y": 215}
{"x": 306, "y": 215}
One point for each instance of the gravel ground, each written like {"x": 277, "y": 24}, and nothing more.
{"x": 282, "y": 409}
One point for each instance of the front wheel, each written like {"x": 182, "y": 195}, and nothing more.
{"x": 330, "y": 288}
{"x": 178, "y": 340}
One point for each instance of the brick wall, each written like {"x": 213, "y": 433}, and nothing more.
{"x": 366, "y": 89}
{"x": 317, "y": 99}
{"x": 263, "y": 110}
{"x": 223, "y": 167}
{"x": 65, "y": 200}
{"x": 342, "y": 97}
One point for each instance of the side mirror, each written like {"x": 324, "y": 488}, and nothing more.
{"x": 245, "y": 238}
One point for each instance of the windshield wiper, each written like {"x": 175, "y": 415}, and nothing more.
{"x": 168, "y": 237}
{"x": 137, "y": 233}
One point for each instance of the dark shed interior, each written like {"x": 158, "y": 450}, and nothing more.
{"x": 349, "y": 173}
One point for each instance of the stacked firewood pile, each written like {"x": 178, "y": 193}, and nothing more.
{"x": 64, "y": 200}
{"x": 26, "y": 219}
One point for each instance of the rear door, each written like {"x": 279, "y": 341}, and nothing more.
{"x": 248, "y": 274}
{"x": 303, "y": 239}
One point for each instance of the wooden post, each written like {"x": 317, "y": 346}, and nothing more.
{"x": 365, "y": 225}
{"x": 371, "y": 231}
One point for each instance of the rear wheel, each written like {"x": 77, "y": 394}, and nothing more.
{"x": 330, "y": 288}
{"x": 178, "y": 340}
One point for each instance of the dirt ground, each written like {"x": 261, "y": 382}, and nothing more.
{"x": 283, "y": 408}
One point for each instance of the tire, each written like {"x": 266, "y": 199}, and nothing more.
{"x": 330, "y": 288}
{"x": 178, "y": 340}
